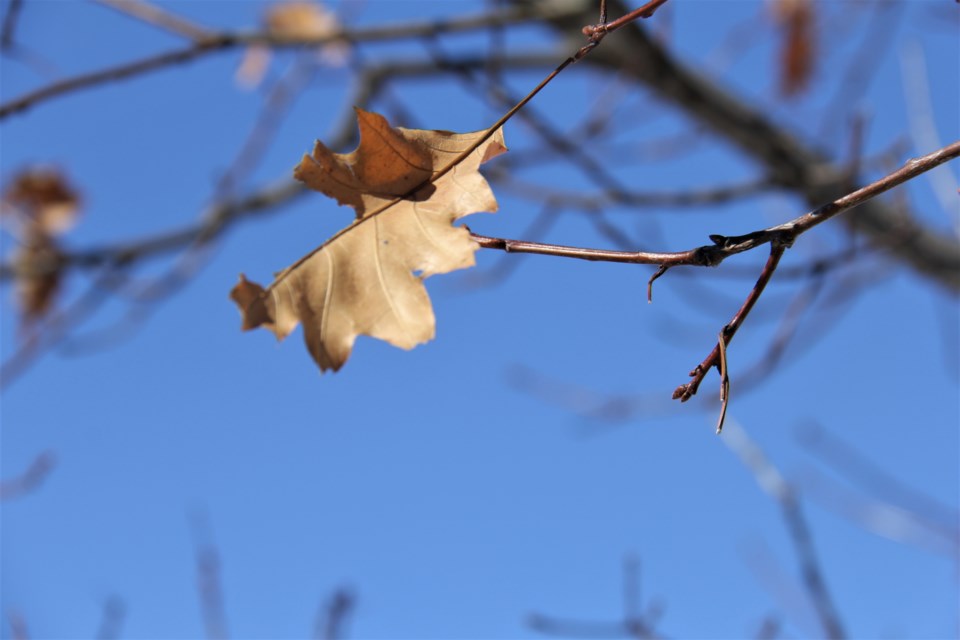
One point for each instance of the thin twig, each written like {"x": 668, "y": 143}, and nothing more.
{"x": 332, "y": 618}
{"x": 772, "y": 482}
{"x": 685, "y": 391}
{"x": 452, "y": 165}
{"x": 18, "y": 626}
{"x": 701, "y": 256}
{"x": 111, "y": 74}
{"x": 209, "y": 578}
{"x": 780, "y": 237}
{"x": 29, "y": 480}
{"x": 10, "y": 24}
{"x": 798, "y": 166}
{"x": 111, "y": 620}
{"x": 726, "y": 246}
{"x": 224, "y": 41}
{"x": 680, "y": 198}
{"x": 216, "y": 222}
{"x": 873, "y": 478}
{"x": 500, "y": 271}
{"x": 56, "y": 326}
{"x": 923, "y": 130}
{"x": 275, "y": 106}
{"x": 158, "y": 17}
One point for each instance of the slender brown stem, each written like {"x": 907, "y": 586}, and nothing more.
{"x": 911, "y": 169}
{"x": 726, "y": 246}
{"x": 685, "y": 391}
{"x": 693, "y": 257}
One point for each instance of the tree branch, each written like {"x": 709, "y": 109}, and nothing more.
{"x": 223, "y": 41}
{"x": 796, "y": 166}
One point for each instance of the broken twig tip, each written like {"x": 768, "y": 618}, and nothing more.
{"x": 724, "y": 380}
{"x": 662, "y": 270}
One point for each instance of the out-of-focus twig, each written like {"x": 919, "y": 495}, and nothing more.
{"x": 30, "y": 479}
{"x": 277, "y": 103}
{"x": 916, "y": 91}
{"x": 224, "y": 41}
{"x": 217, "y": 220}
{"x": 893, "y": 509}
{"x": 209, "y": 578}
{"x": 9, "y": 27}
{"x": 154, "y": 15}
{"x": 718, "y": 356}
{"x": 18, "y": 626}
{"x": 636, "y": 623}
{"x": 55, "y": 326}
{"x": 884, "y": 519}
{"x": 111, "y": 620}
{"x": 780, "y": 237}
{"x": 725, "y": 246}
{"x": 332, "y": 617}
{"x": 773, "y": 483}
{"x": 847, "y": 461}
{"x": 595, "y": 406}
{"x": 796, "y": 165}
{"x": 679, "y": 198}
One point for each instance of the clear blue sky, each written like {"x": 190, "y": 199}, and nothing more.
{"x": 452, "y": 503}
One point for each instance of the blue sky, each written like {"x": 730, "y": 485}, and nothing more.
{"x": 460, "y": 487}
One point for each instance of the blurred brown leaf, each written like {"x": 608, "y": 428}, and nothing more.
{"x": 39, "y": 281}
{"x": 368, "y": 278}
{"x": 38, "y": 205}
{"x": 301, "y": 20}
{"x": 797, "y": 48}
{"x": 296, "y": 19}
{"x": 42, "y": 200}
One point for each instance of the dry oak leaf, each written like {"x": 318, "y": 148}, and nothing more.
{"x": 39, "y": 205}
{"x": 408, "y": 187}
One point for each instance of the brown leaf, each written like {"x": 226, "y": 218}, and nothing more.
{"x": 301, "y": 20}
{"x": 796, "y": 19}
{"x": 42, "y": 200}
{"x": 368, "y": 278}
{"x": 38, "y": 281}
{"x": 38, "y": 205}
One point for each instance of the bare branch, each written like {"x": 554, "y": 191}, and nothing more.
{"x": 224, "y": 41}
{"x": 794, "y": 165}
{"x": 717, "y": 357}
{"x": 726, "y": 246}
